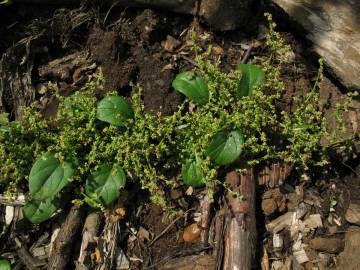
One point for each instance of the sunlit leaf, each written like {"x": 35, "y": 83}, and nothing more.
{"x": 39, "y": 211}
{"x": 105, "y": 183}
{"x": 192, "y": 86}
{"x": 225, "y": 147}
{"x": 114, "y": 110}
{"x": 192, "y": 173}
{"x": 252, "y": 77}
{"x": 49, "y": 176}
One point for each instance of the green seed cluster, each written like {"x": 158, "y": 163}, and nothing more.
{"x": 152, "y": 148}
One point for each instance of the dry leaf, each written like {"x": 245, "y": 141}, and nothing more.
{"x": 218, "y": 50}
{"x": 191, "y": 233}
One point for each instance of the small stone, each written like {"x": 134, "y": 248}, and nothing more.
{"x": 353, "y": 214}
{"x": 329, "y": 245}
{"x": 268, "y": 206}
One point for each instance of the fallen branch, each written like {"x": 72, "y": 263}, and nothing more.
{"x": 61, "y": 252}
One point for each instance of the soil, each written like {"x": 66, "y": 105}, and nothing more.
{"x": 150, "y": 47}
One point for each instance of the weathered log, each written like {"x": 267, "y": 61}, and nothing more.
{"x": 223, "y": 15}
{"x": 63, "y": 245}
{"x": 333, "y": 27}
{"x": 240, "y": 235}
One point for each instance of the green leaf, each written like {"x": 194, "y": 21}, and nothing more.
{"x": 49, "y": 176}
{"x": 192, "y": 86}
{"x": 114, "y": 110}
{"x": 39, "y": 211}
{"x": 6, "y": 3}
{"x": 71, "y": 104}
{"x": 5, "y": 264}
{"x": 192, "y": 173}
{"x": 4, "y": 122}
{"x": 252, "y": 77}
{"x": 105, "y": 183}
{"x": 225, "y": 147}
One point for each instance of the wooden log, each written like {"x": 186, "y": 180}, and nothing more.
{"x": 63, "y": 245}
{"x": 333, "y": 27}
{"x": 222, "y": 15}
{"x": 240, "y": 235}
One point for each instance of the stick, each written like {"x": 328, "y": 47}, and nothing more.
{"x": 63, "y": 246}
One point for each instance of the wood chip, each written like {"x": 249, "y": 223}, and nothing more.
{"x": 313, "y": 221}
{"x": 281, "y": 222}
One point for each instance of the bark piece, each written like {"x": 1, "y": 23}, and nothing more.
{"x": 223, "y": 15}
{"x": 273, "y": 175}
{"x": 205, "y": 206}
{"x": 63, "y": 246}
{"x": 240, "y": 235}
{"x": 329, "y": 245}
{"x": 88, "y": 243}
{"x": 196, "y": 262}
{"x": 333, "y": 28}
{"x": 281, "y": 222}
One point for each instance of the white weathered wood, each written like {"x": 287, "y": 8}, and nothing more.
{"x": 333, "y": 27}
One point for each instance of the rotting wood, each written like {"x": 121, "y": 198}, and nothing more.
{"x": 240, "y": 234}
{"x": 273, "y": 175}
{"x": 223, "y": 15}
{"x": 333, "y": 27}
{"x": 61, "y": 252}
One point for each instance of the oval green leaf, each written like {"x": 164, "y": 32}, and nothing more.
{"x": 39, "y": 211}
{"x": 105, "y": 183}
{"x": 72, "y": 103}
{"x": 192, "y": 173}
{"x": 252, "y": 77}
{"x": 192, "y": 86}
{"x": 5, "y": 264}
{"x": 114, "y": 110}
{"x": 225, "y": 147}
{"x": 49, "y": 176}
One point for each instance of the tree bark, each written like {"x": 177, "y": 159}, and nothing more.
{"x": 333, "y": 27}
{"x": 240, "y": 235}
{"x": 222, "y": 15}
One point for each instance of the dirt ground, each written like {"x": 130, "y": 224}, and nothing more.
{"x": 70, "y": 46}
